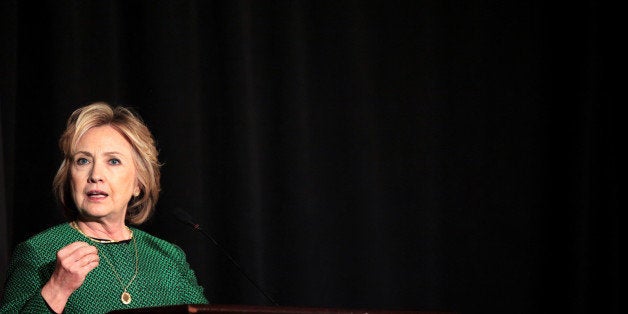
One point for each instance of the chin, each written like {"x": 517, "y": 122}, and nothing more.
{"x": 94, "y": 212}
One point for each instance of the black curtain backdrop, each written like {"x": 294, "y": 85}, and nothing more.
{"x": 427, "y": 155}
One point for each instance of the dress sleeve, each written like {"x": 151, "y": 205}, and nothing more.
{"x": 190, "y": 291}
{"x": 25, "y": 277}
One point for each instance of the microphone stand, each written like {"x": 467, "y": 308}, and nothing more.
{"x": 185, "y": 218}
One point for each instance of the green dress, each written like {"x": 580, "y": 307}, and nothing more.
{"x": 163, "y": 278}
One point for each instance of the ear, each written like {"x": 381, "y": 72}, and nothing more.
{"x": 137, "y": 191}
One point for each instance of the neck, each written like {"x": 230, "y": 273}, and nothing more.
{"x": 105, "y": 231}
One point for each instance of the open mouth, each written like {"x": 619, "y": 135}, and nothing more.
{"x": 96, "y": 194}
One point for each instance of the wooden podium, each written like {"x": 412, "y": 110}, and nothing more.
{"x": 254, "y": 309}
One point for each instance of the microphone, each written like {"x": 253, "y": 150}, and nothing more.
{"x": 184, "y": 217}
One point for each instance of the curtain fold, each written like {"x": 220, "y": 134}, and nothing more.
{"x": 410, "y": 155}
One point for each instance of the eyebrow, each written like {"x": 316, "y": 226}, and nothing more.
{"x": 105, "y": 153}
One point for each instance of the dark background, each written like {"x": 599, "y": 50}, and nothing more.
{"x": 427, "y": 155}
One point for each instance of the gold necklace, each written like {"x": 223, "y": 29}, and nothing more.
{"x": 126, "y": 296}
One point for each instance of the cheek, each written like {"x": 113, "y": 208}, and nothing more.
{"x": 134, "y": 186}
{"x": 132, "y": 179}
{"x": 75, "y": 187}
{"x": 125, "y": 183}
{"x": 75, "y": 181}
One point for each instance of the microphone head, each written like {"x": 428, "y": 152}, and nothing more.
{"x": 183, "y": 216}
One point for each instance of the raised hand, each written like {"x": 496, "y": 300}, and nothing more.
{"x": 74, "y": 262}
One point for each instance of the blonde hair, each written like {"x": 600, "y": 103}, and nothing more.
{"x": 131, "y": 126}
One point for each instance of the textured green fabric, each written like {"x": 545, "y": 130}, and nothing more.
{"x": 164, "y": 276}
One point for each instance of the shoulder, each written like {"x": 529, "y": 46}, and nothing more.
{"x": 47, "y": 242}
{"x": 63, "y": 228}
{"x": 155, "y": 245}
{"x": 59, "y": 235}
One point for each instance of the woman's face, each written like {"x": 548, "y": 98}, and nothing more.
{"x": 103, "y": 175}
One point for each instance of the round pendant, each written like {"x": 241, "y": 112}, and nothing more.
{"x": 125, "y": 297}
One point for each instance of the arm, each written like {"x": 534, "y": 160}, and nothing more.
{"x": 36, "y": 286}
{"x": 24, "y": 282}
{"x": 191, "y": 291}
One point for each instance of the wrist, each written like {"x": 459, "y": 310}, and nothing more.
{"x": 55, "y": 298}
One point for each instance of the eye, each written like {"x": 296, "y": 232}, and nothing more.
{"x": 114, "y": 161}
{"x": 82, "y": 161}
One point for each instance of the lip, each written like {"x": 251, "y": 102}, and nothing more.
{"x": 96, "y": 194}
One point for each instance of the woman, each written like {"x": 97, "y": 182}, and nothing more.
{"x": 96, "y": 263}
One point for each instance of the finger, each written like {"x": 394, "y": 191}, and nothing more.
{"x": 84, "y": 250}
{"x": 81, "y": 255}
{"x": 88, "y": 259}
{"x": 81, "y": 259}
{"x": 91, "y": 265}
{"x": 70, "y": 248}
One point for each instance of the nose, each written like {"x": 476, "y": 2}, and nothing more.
{"x": 95, "y": 174}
